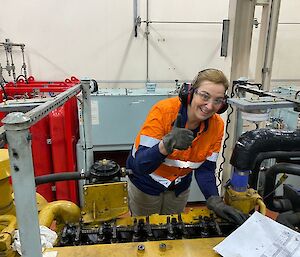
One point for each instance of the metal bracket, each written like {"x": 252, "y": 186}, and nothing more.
{"x": 136, "y": 16}
{"x": 225, "y": 36}
{"x": 16, "y": 125}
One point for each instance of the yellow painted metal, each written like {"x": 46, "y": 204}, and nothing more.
{"x": 189, "y": 218}
{"x": 262, "y": 206}
{"x": 9, "y": 223}
{"x": 245, "y": 201}
{"x": 4, "y": 164}
{"x": 9, "y": 253}
{"x": 6, "y": 200}
{"x": 41, "y": 202}
{"x": 104, "y": 202}
{"x": 202, "y": 247}
{"x": 61, "y": 211}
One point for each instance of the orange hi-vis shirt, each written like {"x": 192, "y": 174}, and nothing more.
{"x": 205, "y": 146}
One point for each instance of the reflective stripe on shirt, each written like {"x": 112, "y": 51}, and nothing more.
{"x": 145, "y": 141}
{"x": 182, "y": 164}
{"x": 213, "y": 157}
{"x": 178, "y": 180}
{"x": 133, "y": 151}
{"x": 148, "y": 141}
{"x": 165, "y": 182}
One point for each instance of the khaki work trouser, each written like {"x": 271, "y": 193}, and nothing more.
{"x": 142, "y": 204}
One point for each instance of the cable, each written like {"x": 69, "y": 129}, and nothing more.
{"x": 279, "y": 183}
{"x": 221, "y": 169}
{"x": 235, "y": 90}
{"x": 4, "y": 92}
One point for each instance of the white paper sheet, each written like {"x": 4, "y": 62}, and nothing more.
{"x": 260, "y": 236}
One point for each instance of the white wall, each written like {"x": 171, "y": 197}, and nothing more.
{"x": 96, "y": 39}
{"x": 287, "y": 52}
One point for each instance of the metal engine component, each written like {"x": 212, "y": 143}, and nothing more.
{"x": 61, "y": 211}
{"x": 104, "y": 170}
{"x": 198, "y": 223}
{"x": 104, "y": 202}
{"x": 245, "y": 201}
{"x": 6, "y": 235}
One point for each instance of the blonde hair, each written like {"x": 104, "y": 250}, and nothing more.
{"x": 213, "y": 75}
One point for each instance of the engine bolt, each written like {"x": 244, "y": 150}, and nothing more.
{"x": 141, "y": 248}
{"x": 162, "y": 246}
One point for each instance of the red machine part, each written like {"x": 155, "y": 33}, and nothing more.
{"x": 64, "y": 138}
{"x": 54, "y": 137}
{"x": 41, "y": 149}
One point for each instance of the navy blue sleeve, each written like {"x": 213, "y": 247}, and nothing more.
{"x": 147, "y": 160}
{"x": 206, "y": 179}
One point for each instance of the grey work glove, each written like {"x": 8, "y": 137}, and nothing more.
{"x": 222, "y": 210}
{"x": 290, "y": 219}
{"x": 179, "y": 138}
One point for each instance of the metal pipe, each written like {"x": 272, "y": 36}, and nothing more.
{"x": 61, "y": 211}
{"x": 130, "y": 81}
{"x": 288, "y": 155}
{"x": 185, "y": 22}
{"x": 270, "y": 181}
{"x": 270, "y": 44}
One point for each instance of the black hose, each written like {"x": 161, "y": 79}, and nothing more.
{"x": 279, "y": 155}
{"x": 251, "y": 143}
{"x": 62, "y": 176}
{"x": 269, "y": 188}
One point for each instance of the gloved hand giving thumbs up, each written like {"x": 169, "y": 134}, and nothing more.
{"x": 179, "y": 138}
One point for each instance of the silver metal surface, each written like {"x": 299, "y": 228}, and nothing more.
{"x": 86, "y": 130}
{"x": 270, "y": 43}
{"x": 262, "y": 2}
{"x": 276, "y": 95}
{"x": 22, "y": 105}
{"x": 21, "y": 167}
{"x": 42, "y": 110}
{"x": 85, "y": 153}
{"x": 264, "y": 103}
{"x": 260, "y": 56}
{"x": 225, "y": 35}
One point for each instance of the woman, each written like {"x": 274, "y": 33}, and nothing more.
{"x": 180, "y": 134}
